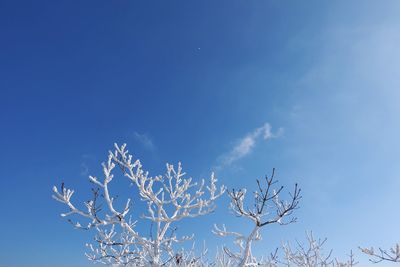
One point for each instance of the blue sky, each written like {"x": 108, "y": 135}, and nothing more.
{"x": 201, "y": 82}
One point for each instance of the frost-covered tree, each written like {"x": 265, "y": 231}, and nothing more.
{"x": 267, "y": 209}
{"x": 171, "y": 198}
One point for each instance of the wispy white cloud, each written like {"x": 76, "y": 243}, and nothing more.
{"x": 246, "y": 144}
{"x": 84, "y": 169}
{"x": 85, "y": 159}
{"x": 145, "y": 140}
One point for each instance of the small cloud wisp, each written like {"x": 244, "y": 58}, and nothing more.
{"x": 245, "y": 145}
{"x": 144, "y": 140}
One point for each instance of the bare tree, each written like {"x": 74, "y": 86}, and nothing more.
{"x": 265, "y": 198}
{"x": 312, "y": 255}
{"x": 392, "y": 255}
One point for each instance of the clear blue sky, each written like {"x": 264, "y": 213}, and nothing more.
{"x": 188, "y": 80}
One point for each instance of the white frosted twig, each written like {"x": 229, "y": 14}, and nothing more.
{"x": 170, "y": 198}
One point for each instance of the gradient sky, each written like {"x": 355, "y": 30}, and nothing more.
{"x": 197, "y": 81}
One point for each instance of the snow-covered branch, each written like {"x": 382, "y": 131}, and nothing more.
{"x": 169, "y": 198}
{"x": 172, "y": 197}
{"x": 265, "y": 199}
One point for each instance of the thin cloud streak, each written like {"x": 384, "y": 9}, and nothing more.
{"x": 245, "y": 145}
{"x": 144, "y": 140}
{"x": 85, "y": 159}
{"x": 84, "y": 169}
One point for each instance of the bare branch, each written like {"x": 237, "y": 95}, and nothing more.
{"x": 393, "y": 255}
{"x": 265, "y": 198}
